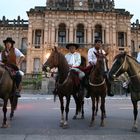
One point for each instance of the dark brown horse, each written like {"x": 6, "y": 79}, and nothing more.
{"x": 125, "y": 63}
{"x": 98, "y": 88}
{"x": 58, "y": 60}
{"x": 6, "y": 89}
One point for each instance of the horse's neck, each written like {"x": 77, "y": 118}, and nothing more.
{"x": 96, "y": 74}
{"x": 63, "y": 70}
{"x": 133, "y": 71}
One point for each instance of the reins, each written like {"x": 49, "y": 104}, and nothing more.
{"x": 96, "y": 85}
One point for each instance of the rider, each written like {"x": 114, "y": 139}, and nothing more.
{"x": 74, "y": 58}
{"x": 9, "y": 58}
{"x": 138, "y": 57}
{"x": 92, "y": 59}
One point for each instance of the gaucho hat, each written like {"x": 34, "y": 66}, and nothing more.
{"x": 98, "y": 40}
{"x": 9, "y": 39}
{"x": 72, "y": 44}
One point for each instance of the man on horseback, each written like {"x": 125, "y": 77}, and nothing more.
{"x": 92, "y": 59}
{"x": 74, "y": 60}
{"x": 9, "y": 58}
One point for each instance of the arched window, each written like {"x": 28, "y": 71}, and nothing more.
{"x": 98, "y": 32}
{"x": 80, "y": 33}
{"x": 62, "y": 33}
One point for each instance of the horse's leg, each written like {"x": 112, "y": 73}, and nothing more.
{"x": 67, "y": 111}
{"x": 4, "y": 124}
{"x": 102, "y": 107}
{"x": 12, "y": 108}
{"x": 76, "y": 102}
{"x": 135, "y": 112}
{"x": 82, "y": 107}
{"x": 97, "y": 102}
{"x": 62, "y": 110}
{"x": 93, "y": 111}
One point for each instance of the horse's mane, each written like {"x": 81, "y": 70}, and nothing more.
{"x": 123, "y": 54}
{"x": 63, "y": 60}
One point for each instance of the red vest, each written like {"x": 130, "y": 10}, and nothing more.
{"x": 10, "y": 58}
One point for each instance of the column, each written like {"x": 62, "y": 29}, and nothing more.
{"x": 71, "y": 34}
{"x": 89, "y": 35}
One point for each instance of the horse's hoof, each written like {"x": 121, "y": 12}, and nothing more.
{"x": 74, "y": 117}
{"x": 82, "y": 117}
{"x": 134, "y": 129}
{"x": 65, "y": 126}
{"x": 11, "y": 117}
{"x": 4, "y": 126}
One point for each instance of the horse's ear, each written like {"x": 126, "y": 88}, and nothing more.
{"x": 55, "y": 49}
{"x": 125, "y": 53}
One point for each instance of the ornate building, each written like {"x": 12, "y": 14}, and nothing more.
{"x": 79, "y": 21}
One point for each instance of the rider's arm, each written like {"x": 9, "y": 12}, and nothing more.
{"x": 91, "y": 57}
{"x": 19, "y": 55}
{"x": 77, "y": 60}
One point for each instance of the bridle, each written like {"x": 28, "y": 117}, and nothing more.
{"x": 121, "y": 67}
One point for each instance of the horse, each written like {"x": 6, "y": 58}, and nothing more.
{"x": 125, "y": 63}
{"x": 57, "y": 59}
{"x": 6, "y": 93}
{"x": 98, "y": 88}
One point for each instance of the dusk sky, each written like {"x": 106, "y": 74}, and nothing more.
{"x": 13, "y": 8}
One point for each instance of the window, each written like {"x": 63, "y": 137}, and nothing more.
{"x": 98, "y": 32}
{"x": 37, "y": 38}
{"x": 80, "y": 34}
{"x": 62, "y": 33}
{"x": 122, "y": 39}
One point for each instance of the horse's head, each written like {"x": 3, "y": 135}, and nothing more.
{"x": 119, "y": 66}
{"x": 52, "y": 61}
{"x": 101, "y": 64}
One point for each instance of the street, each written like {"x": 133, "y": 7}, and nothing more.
{"x": 37, "y": 118}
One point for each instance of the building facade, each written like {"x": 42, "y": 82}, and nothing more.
{"x": 73, "y": 21}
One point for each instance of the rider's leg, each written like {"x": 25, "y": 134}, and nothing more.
{"x": 18, "y": 79}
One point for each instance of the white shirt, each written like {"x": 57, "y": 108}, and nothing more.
{"x": 18, "y": 54}
{"x": 138, "y": 57}
{"x": 73, "y": 59}
{"x": 91, "y": 55}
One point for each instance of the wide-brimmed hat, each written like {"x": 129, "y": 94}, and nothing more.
{"x": 72, "y": 44}
{"x": 98, "y": 40}
{"x": 9, "y": 39}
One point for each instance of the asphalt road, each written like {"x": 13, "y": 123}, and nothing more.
{"x": 37, "y": 118}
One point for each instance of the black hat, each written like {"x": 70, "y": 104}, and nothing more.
{"x": 9, "y": 39}
{"x": 72, "y": 44}
{"x": 98, "y": 40}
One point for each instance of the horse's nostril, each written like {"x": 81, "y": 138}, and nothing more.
{"x": 48, "y": 69}
{"x": 114, "y": 76}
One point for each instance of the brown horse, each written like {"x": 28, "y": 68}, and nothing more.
{"x": 125, "y": 63}
{"x": 58, "y": 60}
{"x": 6, "y": 89}
{"x": 98, "y": 88}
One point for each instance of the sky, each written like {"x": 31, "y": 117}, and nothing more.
{"x": 11, "y": 9}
